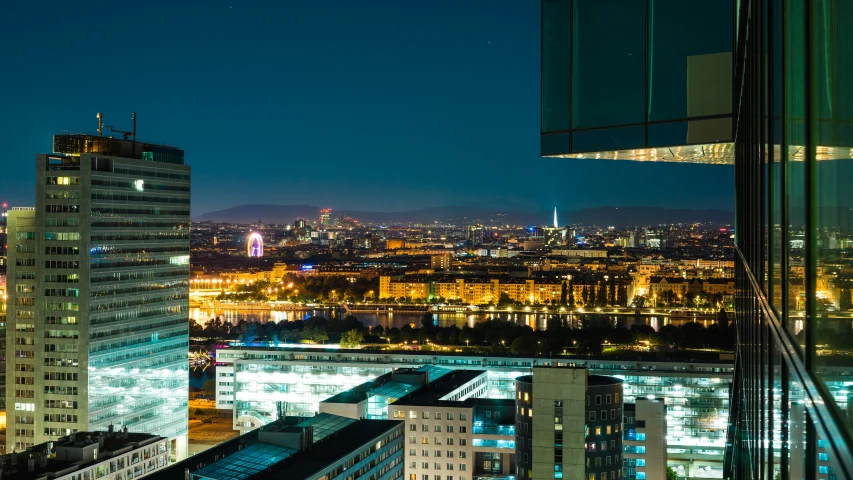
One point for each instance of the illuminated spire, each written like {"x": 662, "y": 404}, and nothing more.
{"x": 555, "y": 218}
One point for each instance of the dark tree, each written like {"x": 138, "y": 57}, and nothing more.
{"x": 554, "y": 324}
{"x": 522, "y": 345}
{"x": 601, "y": 298}
{"x": 428, "y": 321}
{"x": 723, "y": 319}
{"x": 623, "y": 295}
{"x": 564, "y": 294}
{"x": 571, "y": 298}
{"x": 209, "y": 386}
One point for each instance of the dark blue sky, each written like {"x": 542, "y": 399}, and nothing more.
{"x": 382, "y": 105}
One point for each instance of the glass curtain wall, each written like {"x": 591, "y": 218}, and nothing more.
{"x": 623, "y": 75}
{"x": 793, "y": 97}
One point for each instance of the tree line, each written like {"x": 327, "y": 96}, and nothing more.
{"x": 592, "y": 333}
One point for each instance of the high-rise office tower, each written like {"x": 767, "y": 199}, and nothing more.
{"x": 764, "y": 85}
{"x": 98, "y": 284}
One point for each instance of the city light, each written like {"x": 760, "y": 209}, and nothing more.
{"x": 255, "y": 245}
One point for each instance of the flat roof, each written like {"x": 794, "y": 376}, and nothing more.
{"x": 596, "y": 361}
{"x": 385, "y": 386}
{"x": 113, "y": 442}
{"x": 325, "y": 424}
{"x": 359, "y": 393}
{"x": 602, "y": 380}
{"x": 593, "y": 380}
{"x": 263, "y": 460}
{"x": 247, "y": 462}
{"x": 82, "y": 143}
{"x": 335, "y": 448}
{"x": 431, "y": 394}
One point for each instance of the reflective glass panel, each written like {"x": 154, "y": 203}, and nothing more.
{"x": 795, "y": 139}
{"x": 608, "y": 45}
{"x": 689, "y": 67}
{"x": 556, "y": 59}
{"x": 833, "y": 83}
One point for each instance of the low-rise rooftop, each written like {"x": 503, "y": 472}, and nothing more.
{"x": 434, "y": 392}
{"x": 72, "y": 453}
{"x": 333, "y": 438}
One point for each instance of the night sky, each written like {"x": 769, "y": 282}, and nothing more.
{"x": 361, "y": 105}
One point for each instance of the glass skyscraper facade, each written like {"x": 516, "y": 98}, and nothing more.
{"x": 99, "y": 318}
{"x": 794, "y": 133}
{"x": 765, "y": 85}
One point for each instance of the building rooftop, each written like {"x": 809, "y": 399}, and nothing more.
{"x": 434, "y": 392}
{"x": 597, "y": 380}
{"x": 325, "y": 424}
{"x": 82, "y": 143}
{"x": 72, "y": 453}
{"x": 334, "y": 437}
{"x": 591, "y": 380}
{"x": 246, "y": 463}
{"x": 393, "y": 385}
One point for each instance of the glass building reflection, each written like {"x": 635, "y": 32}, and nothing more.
{"x": 765, "y": 85}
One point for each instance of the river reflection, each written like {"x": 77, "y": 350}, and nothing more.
{"x": 390, "y": 319}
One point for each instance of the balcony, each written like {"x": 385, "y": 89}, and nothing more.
{"x": 489, "y": 443}
{"x": 507, "y": 430}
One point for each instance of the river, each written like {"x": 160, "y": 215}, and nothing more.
{"x": 390, "y": 319}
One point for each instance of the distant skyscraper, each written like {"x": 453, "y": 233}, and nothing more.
{"x": 556, "y": 225}
{"x": 476, "y": 235}
{"x": 326, "y": 217}
{"x": 99, "y": 291}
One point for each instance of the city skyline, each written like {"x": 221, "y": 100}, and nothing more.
{"x": 383, "y": 273}
{"x": 346, "y": 99}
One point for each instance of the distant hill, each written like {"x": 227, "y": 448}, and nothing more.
{"x": 630, "y": 216}
{"x": 510, "y": 214}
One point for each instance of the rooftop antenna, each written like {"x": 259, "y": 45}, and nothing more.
{"x": 125, "y": 133}
{"x": 133, "y": 116}
{"x": 100, "y": 124}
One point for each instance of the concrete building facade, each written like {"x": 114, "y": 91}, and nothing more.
{"x": 568, "y": 425}
{"x": 645, "y": 442}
